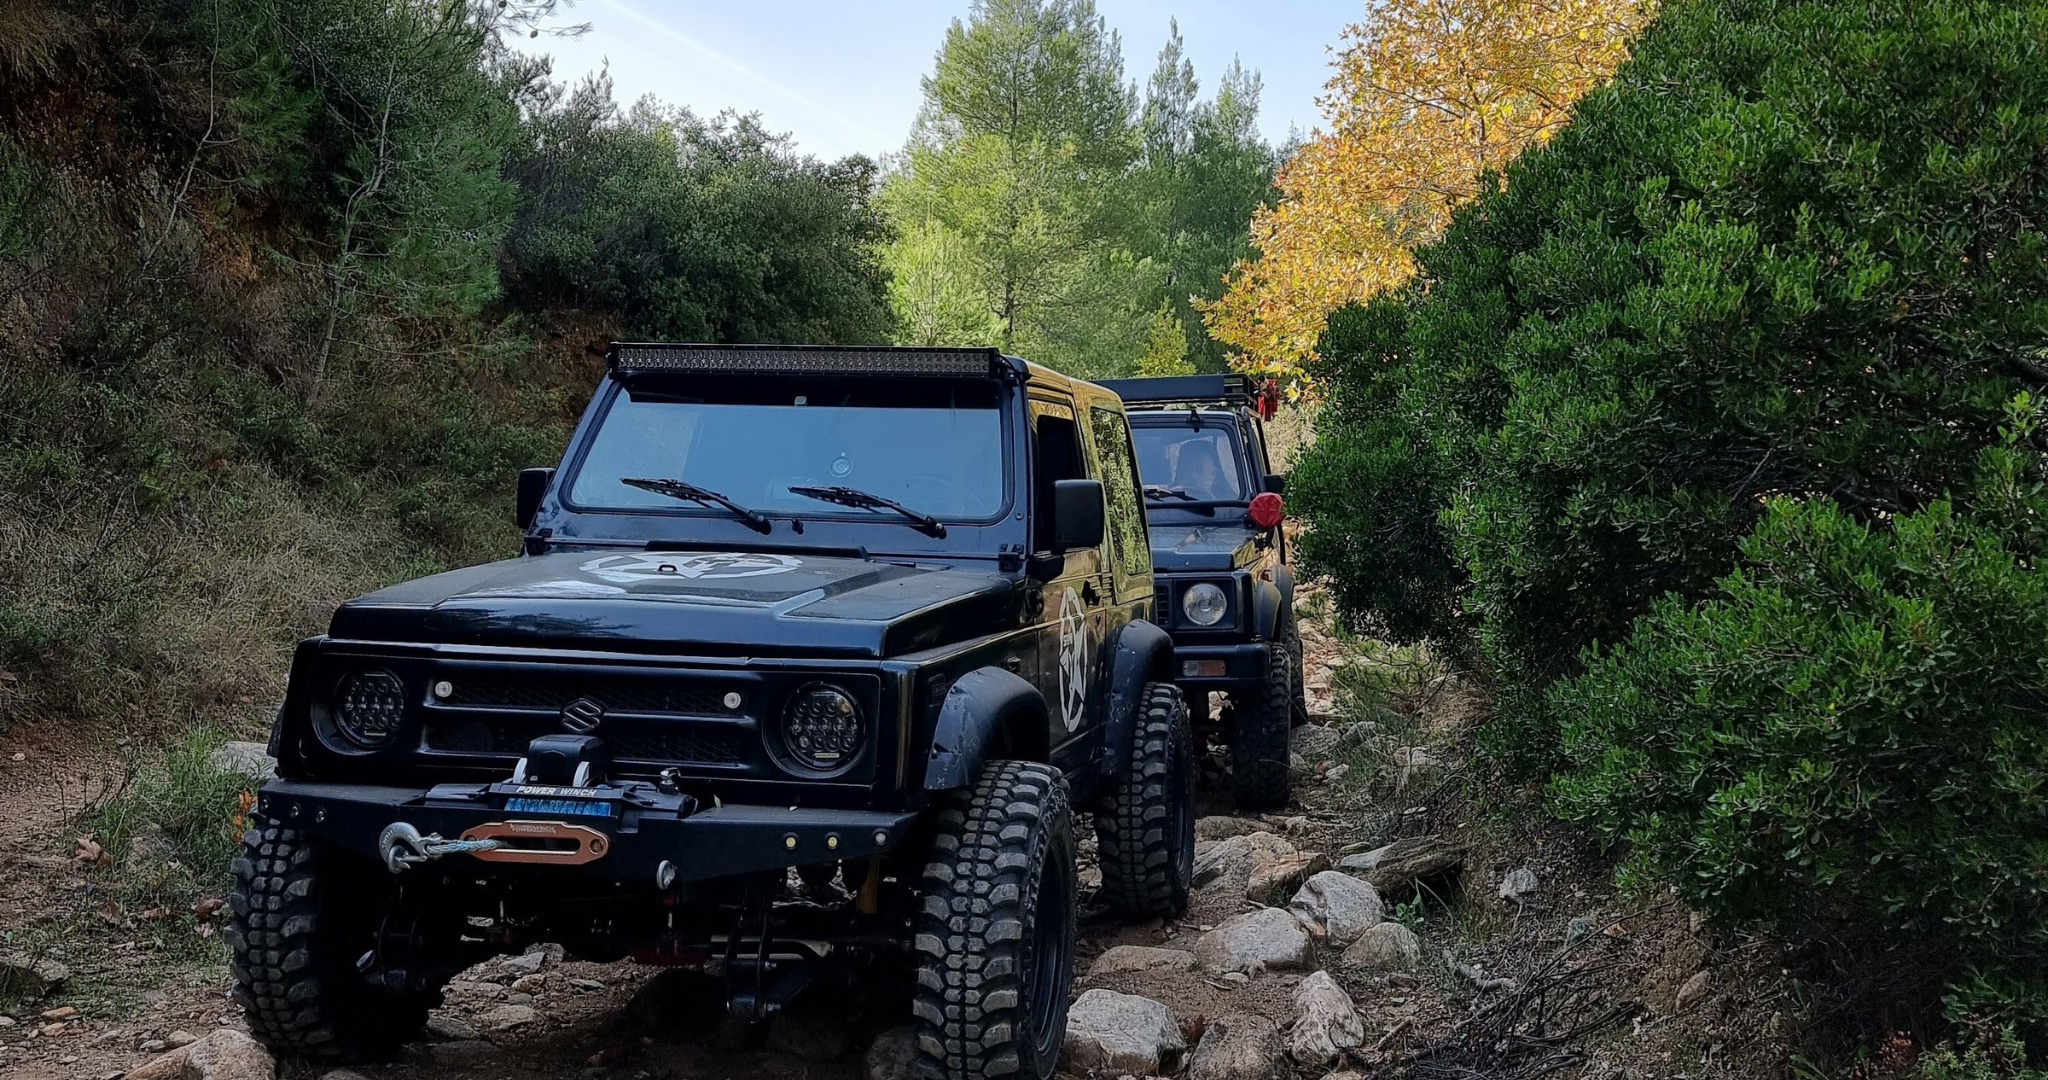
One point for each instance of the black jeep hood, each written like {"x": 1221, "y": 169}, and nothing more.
{"x": 1220, "y": 545}
{"x": 702, "y": 602}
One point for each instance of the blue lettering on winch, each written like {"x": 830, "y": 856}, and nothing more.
{"x": 576, "y": 807}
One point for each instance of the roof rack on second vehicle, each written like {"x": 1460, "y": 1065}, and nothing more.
{"x": 1237, "y": 391}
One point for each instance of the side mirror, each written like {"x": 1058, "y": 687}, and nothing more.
{"x": 533, "y": 484}
{"x": 1275, "y": 483}
{"x": 1077, "y": 515}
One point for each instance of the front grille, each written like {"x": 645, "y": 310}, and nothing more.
{"x": 1162, "y": 604}
{"x": 617, "y": 694}
{"x": 645, "y": 741}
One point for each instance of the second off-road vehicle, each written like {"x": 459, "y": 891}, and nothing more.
{"x": 1226, "y": 589}
{"x": 809, "y": 662}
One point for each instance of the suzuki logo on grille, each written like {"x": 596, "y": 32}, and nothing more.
{"x": 582, "y": 716}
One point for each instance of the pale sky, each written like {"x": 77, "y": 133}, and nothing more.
{"x": 843, "y": 77}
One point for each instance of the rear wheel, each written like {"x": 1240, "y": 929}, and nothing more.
{"x": 1258, "y": 741}
{"x": 1146, "y": 832}
{"x": 995, "y": 936}
{"x": 303, "y": 915}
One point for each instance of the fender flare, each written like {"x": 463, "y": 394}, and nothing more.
{"x": 1283, "y": 580}
{"x": 1267, "y": 603}
{"x": 971, "y": 721}
{"x": 1143, "y": 653}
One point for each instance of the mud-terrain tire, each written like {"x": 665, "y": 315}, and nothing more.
{"x": 1258, "y": 741}
{"x": 1145, "y": 831}
{"x": 1297, "y": 671}
{"x": 301, "y": 915}
{"x": 994, "y": 941}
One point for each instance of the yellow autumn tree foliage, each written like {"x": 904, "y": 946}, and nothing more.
{"x": 1428, "y": 95}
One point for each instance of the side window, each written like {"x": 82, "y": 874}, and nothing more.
{"x": 1121, "y": 488}
{"x": 1056, "y": 455}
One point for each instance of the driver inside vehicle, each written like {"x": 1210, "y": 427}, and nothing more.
{"x": 1195, "y": 471}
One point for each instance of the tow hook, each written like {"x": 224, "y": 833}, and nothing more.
{"x": 402, "y": 847}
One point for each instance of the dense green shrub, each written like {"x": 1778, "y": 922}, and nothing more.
{"x": 1708, "y": 426}
{"x": 1795, "y": 249}
{"x": 1850, "y": 732}
{"x": 690, "y": 229}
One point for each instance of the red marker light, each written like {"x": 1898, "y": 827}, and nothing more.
{"x": 1267, "y": 510}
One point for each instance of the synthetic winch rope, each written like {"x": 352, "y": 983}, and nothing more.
{"x": 402, "y": 847}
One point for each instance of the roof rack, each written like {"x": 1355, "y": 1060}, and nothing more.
{"x": 626, "y": 358}
{"x": 1233, "y": 390}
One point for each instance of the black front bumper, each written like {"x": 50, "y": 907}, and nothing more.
{"x": 641, "y": 831}
{"x": 1243, "y": 666}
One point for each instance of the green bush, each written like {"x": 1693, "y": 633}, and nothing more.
{"x": 1992, "y": 1054}
{"x": 1851, "y": 732}
{"x": 1794, "y": 250}
{"x": 1707, "y": 430}
{"x": 690, "y": 229}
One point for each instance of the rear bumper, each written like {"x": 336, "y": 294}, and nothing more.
{"x": 702, "y": 844}
{"x": 1243, "y": 666}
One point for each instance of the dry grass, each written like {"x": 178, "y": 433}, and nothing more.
{"x": 33, "y": 38}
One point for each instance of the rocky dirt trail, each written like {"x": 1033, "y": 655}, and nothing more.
{"x": 1384, "y": 925}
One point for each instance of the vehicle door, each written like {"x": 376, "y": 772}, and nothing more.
{"x": 1076, "y": 596}
{"x": 1127, "y": 546}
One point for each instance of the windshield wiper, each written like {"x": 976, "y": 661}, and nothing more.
{"x": 680, "y": 489}
{"x": 854, "y": 497}
{"x": 1160, "y": 493}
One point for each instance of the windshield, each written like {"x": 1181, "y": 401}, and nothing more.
{"x": 935, "y": 446}
{"x": 1200, "y": 462}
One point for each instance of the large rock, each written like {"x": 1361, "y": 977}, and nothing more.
{"x": 1338, "y": 907}
{"x": 226, "y": 1054}
{"x": 1326, "y": 1023}
{"x": 1141, "y": 958}
{"x": 1410, "y": 859}
{"x": 1230, "y": 861}
{"x": 1240, "y": 1047}
{"x": 1386, "y": 947}
{"x": 1519, "y": 883}
{"x": 1273, "y": 880}
{"x": 1315, "y": 741}
{"x": 1223, "y": 828}
{"x": 1122, "y": 1033}
{"x": 30, "y": 978}
{"x": 508, "y": 1017}
{"x": 1255, "y": 941}
{"x": 893, "y": 1055}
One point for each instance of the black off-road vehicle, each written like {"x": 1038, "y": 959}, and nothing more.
{"x": 1226, "y": 590}
{"x": 811, "y": 657}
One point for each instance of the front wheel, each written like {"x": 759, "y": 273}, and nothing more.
{"x": 1146, "y": 832}
{"x": 1297, "y": 671}
{"x": 1258, "y": 741}
{"x": 302, "y": 915}
{"x": 995, "y": 936}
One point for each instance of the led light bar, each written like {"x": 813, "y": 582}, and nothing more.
{"x": 647, "y": 358}
{"x": 1229, "y": 389}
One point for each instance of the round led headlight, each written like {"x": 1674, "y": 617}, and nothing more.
{"x": 1204, "y": 604}
{"x": 821, "y": 727}
{"x": 368, "y": 707}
